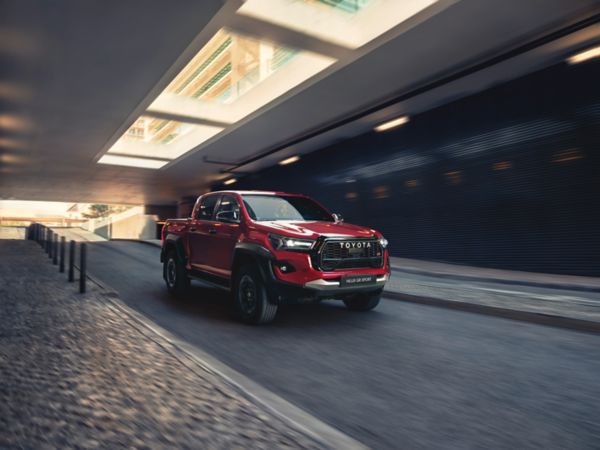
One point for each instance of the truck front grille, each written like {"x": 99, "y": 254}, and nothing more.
{"x": 349, "y": 254}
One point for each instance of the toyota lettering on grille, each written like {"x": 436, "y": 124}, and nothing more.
{"x": 355, "y": 245}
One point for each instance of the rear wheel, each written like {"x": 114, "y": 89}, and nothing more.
{"x": 363, "y": 301}
{"x": 250, "y": 297}
{"x": 175, "y": 275}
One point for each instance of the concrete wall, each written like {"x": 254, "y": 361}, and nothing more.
{"x": 131, "y": 224}
{"x": 508, "y": 178}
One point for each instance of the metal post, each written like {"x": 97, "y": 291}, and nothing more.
{"x": 61, "y": 267}
{"x": 55, "y": 250}
{"x": 71, "y": 261}
{"x": 82, "y": 267}
{"x": 49, "y": 243}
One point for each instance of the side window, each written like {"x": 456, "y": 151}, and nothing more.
{"x": 229, "y": 210}
{"x": 207, "y": 207}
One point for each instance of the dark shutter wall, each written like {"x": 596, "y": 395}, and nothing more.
{"x": 509, "y": 178}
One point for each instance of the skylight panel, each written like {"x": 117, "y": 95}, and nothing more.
{"x": 161, "y": 138}
{"x": 234, "y": 75}
{"x": 128, "y": 161}
{"x": 350, "y": 23}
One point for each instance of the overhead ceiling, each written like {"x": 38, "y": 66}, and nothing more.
{"x": 75, "y": 76}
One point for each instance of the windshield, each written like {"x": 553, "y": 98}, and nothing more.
{"x": 283, "y": 207}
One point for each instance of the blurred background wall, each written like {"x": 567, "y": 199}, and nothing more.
{"x": 509, "y": 178}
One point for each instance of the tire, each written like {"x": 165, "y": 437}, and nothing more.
{"x": 250, "y": 297}
{"x": 363, "y": 302}
{"x": 175, "y": 275}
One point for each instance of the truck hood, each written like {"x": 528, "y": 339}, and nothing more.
{"x": 313, "y": 230}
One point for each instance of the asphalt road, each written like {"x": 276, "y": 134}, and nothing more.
{"x": 403, "y": 376}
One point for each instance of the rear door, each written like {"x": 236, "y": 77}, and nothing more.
{"x": 227, "y": 231}
{"x": 201, "y": 231}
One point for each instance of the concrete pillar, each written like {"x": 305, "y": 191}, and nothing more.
{"x": 185, "y": 206}
{"x": 163, "y": 212}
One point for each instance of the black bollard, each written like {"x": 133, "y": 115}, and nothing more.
{"x": 61, "y": 267}
{"x": 82, "y": 267}
{"x": 55, "y": 250}
{"x": 49, "y": 243}
{"x": 71, "y": 261}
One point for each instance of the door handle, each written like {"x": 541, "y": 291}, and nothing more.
{"x": 193, "y": 229}
{"x": 212, "y": 231}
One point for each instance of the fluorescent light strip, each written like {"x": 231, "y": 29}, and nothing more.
{"x": 129, "y": 161}
{"x": 392, "y": 124}
{"x": 229, "y": 181}
{"x": 585, "y": 55}
{"x": 290, "y": 160}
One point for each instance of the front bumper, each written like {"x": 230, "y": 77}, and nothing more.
{"x": 333, "y": 286}
{"x": 290, "y": 293}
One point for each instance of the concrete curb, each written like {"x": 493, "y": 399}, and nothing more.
{"x": 153, "y": 244}
{"x": 566, "y": 286}
{"x": 506, "y": 313}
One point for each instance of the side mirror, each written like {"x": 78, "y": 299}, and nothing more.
{"x": 337, "y": 217}
{"x": 227, "y": 216}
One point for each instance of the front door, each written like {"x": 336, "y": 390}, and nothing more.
{"x": 225, "y": 236}
{"x": 200, "y": 232}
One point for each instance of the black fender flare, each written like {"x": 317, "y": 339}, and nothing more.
{"x": 260, "y": 254}
{"x": 172, "y": 240}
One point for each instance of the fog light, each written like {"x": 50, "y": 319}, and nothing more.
{"x": 285, "y": 267}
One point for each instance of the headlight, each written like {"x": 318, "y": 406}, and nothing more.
{"x": 293, "y": 244}
{"x": 383, "y": 242}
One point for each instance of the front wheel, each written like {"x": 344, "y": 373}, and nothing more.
{"x": 174, "y": 274}
{"x": 363, "y": 302}
{"x": 250, "y": 297}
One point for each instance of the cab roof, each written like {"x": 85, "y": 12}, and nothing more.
{"x": 255, "y": 192}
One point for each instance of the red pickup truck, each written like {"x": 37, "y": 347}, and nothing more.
{"x": 273, "y": 248}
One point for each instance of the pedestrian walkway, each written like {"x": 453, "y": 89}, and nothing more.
{"x": 513, "y": 277}
{"x": 568, "y": 301}
{"x": 75, "y": 371}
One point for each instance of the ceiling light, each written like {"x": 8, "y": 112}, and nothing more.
{"x": 11, "y": 159}
{"x": 14, "y": 144}
{"x": 586, "y": 55}
{"x": 14, "y": 91}
{"x": 230, "y": 181}
{"x": 392, "y": 123}
{"x": 15, "y": 123}
{"x": 290, "y": 160}
{"x": 143, "y": 163}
